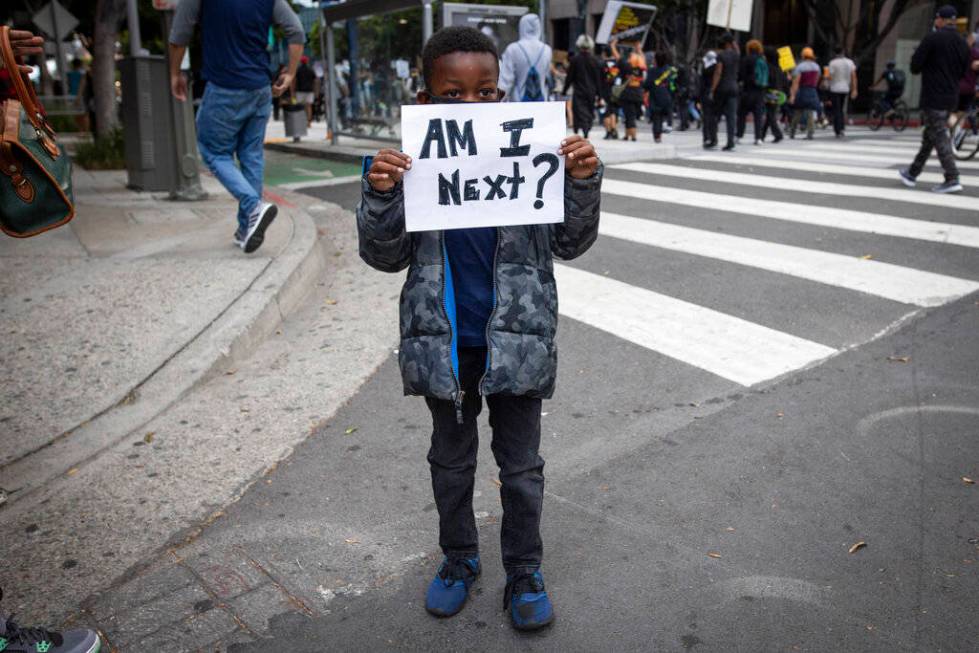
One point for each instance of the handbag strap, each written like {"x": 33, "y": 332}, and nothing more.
{"x": 22, "y": 85}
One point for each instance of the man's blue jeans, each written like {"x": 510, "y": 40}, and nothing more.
{"x": 231, "y": 122}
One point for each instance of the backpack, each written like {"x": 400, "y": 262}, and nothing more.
{"x": 531, "y": 86}
{"x": 761, "y": 72}
{"x": 896, "y": 80}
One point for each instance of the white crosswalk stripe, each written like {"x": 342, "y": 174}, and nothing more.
{"x": 830, "y": 168}
{"x": 805, "y": 186}
{"x": 894, "y": 282}
{"x": 727, "y": 346}
{"x": 733, "y": 346}
{"x": 874, "y": 223}
{"x": 865, "y": 157}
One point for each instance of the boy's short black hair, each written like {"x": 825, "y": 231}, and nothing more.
{"x": 454, "y": 39}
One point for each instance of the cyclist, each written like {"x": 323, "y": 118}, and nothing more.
{"x": 895, "y": 79}
{"x": 967, "y": 85}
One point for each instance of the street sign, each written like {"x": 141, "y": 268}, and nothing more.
{"x": 165, "y": 5}
{"x": 66, "y": 22}
{"x": 730, "y": 14}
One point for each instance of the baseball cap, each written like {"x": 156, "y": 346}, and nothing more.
{"x": 947, "y": 12}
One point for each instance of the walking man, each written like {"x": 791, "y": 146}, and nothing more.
{"x": 238, "y": 99}
{"x": 804, "y": 94}
{"x": 941, "y": 59}
{"x": 305, "y": 87}
{"x": 724, "y": 88}
{"x": 842, "y": 83}
{"x": 585, "y": 78}
{"x": 525, "y": 63}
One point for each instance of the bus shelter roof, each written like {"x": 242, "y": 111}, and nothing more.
{"x": 335, "y": 12}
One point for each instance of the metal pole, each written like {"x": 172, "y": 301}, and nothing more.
{"x": 427, "y": 21}
{"x": 58, "y": 48}
{"x": 331, "y": 76}
{"x": 187, "y": 185}
{"x": 543, "y": 20}
{"x": 132, "y": 18}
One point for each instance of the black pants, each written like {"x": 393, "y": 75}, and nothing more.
{"x": 771, "y": 122}
{"x": 726, "y": 104}
{"x": 516, "y": 440}
{"x": 753, "y": 102}
{"x": 632, "y": 110}
{"x": 935, "y": 137}
{"x": 839, "y": 112}
{"x": 657, "y": 115}
{"x": 708, "y": 121}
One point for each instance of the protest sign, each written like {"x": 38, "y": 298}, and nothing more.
{"x": 625, "y": 21}
{"x": 730, "y": 14}
{"x": 483, "y": 164}
{"x": 785, "y": 59}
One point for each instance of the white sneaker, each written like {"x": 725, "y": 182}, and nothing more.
{"x": 258, "y": 221}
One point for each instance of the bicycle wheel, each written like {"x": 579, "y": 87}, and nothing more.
{"x": 900, "y": 117}
{"x": 875, "y": 118}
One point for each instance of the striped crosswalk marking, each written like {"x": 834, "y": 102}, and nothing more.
{"x": 893, "y": 282}
{"x": 866, "y": 158}
{"x": 732, "y": 348}
{"x": 874, "y": 223}
{"x": 830, "y": 168}
{"x": 804, "y": 186}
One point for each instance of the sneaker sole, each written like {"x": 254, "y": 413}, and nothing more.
{"x": 957, "y": 189}
{"x": 257, "y": 238}
{"x": 529, "y": 628}
{"x": 909, "y": 184}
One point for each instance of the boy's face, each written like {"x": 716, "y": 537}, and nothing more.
{"x": 463, "y": 77}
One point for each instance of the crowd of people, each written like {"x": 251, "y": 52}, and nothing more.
{"x": 624, "y": 84}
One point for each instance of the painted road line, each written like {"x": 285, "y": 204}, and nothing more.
{"x": 829, "y": 168}
{"x": 316, "y": 183}
{"x": 867, "y": 158}
{"x": 804, "y": 185}
{"x": 824, "y": 216}
{"x": 732, "y": 348}
{"x": 894, "y": 282}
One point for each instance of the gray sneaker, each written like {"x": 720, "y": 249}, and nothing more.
{"x": 952, "y": 186}
{"x": 906, "y": 178}
{"x": 258, "y": 222}
{"x": 20, "y": 639}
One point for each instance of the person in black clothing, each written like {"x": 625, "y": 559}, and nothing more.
{"x": 682, "y": 96}
{"x": 773, "y": 94}
{"x": 941, "y": 59}
{"x": 724, "y": 86}
{"x": 708, "y": 119}
{"x": 659, "y": 84}
{"x": 631, "y": 73}
{"x": 754, "y": 80}
{"x": 585, "y": 76}
{"x": 305, "y": 87}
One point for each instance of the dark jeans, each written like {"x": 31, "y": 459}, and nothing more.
{"x": 839, "y": 111}
{"x": 516, "y": 440}
{"x": 935, "y": 136}
{"x": 708, "y": 121}
{"x": 726, "y": 104}
{"x": 657, "y": 116}
{"x": 632, "y": 110}
{"x": 771, "y": 122}
{"x": 753, "y": 102}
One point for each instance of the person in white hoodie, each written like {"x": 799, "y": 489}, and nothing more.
{"x": 525, "y": 64}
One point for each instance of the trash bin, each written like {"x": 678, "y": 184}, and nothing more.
{"x": 294, "y": 116}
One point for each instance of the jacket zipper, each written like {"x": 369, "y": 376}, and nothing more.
{"x": 459, "y": 393}
{"x": 489, "y": 354}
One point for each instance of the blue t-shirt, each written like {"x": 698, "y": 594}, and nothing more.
{"x": 234, "y": 39}
{"x": 471, "y": 253}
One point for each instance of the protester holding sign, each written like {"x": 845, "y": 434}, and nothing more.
{"x": 479, "y": 313}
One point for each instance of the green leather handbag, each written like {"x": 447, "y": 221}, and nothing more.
{"x": 35, "y": 172}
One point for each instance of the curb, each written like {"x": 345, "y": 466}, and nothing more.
{"x": 231, "y": 336}
{"x": 345, "y": 154}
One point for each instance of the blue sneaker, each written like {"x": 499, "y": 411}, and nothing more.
{"x": 906, "y": 178}
{"x": 450, "y": 587}
{"x": 530, "y": 608}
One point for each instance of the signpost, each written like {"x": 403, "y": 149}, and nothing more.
{"x": 730, "y": 14}
{"x": 57, "y": 22}
{"x": 483, "y": 164}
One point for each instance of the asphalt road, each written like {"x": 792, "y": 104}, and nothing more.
{"x": 757, "y": 373}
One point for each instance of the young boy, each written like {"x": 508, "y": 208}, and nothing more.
{"x": 478, "y": 319}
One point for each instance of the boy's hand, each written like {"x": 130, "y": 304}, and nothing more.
{"x": 387, "y": 169}
{"x": 582, "y": 160}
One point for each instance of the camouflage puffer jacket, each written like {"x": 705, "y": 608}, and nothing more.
{"x": 522, "y": 355}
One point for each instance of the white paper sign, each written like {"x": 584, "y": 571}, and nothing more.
{"x": 730, "y": 14}
{"x": 483, "y": 164}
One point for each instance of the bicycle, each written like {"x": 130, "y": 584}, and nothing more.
{"x": 965, "y": 135}
{"x": 879, "y": 114}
